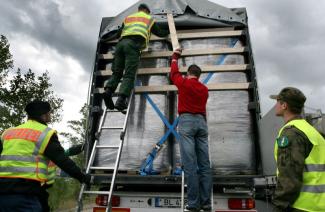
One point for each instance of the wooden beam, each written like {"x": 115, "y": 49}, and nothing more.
{"x": 210, "y": 34}
{"x": 192, "y": 52}
{"x": 207, "y": 30}
{"x": 166, "y": 70}
{"x": 196, "y": 34}
{"x": 172, "y": 31}
{"x": 164, "y": 88}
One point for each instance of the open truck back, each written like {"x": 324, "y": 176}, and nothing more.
{"x": 217, "y": 39}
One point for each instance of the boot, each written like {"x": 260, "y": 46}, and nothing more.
{"x": 206, "y": 208}
{"x": 121, "y": 103}
{"x": 190, "y": 209}
{"x": 107, "y": 97}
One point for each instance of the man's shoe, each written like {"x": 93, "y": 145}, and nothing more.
{"x": 121, "y": 103}
{"x": 107, "y": 97}
{"x": 206, "y": 208}
{"x": 190, "y": 209}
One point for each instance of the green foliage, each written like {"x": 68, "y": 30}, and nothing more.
{"x": 66, "y": 190}
{"x": 5, "y": 59}
{"x": 20, "y": 90}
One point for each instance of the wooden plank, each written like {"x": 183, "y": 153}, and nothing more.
{"x": 207, "y": 30}
{"x": 210, "y": 34}
{"x": 198, "y": 52}
{"x": 166, "y": 70}
{"x": 172, "y": 31}
{"x": 165, "y": 88}
{"x": 196, "y": 34}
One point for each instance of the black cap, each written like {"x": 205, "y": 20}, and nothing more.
{"x": 37, "y": 108}
{"x": 293, "y": 96}
{"x": 143, "y": 7}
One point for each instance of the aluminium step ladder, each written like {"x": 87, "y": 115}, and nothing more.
{"x": 84, "y": 189}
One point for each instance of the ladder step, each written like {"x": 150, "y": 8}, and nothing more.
{"x": 102, "y": 167}
{"x": 112, "y": 111}
{"x": 112, "y": 128}
{"x": 108, "y": 147}
{"x": 97, "y": 192}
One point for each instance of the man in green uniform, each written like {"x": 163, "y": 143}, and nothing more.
{"x": 300, "y": 157}
{"x": 135, "y": 35}
{"x": 26, "y": 152}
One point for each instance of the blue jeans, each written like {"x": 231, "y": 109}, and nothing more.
{"x": 19, "y": 203}
{"x": 194, "y": 147}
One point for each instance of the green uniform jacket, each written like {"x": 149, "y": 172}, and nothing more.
{"x": 290, "y": 163}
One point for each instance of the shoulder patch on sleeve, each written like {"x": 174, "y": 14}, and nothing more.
{"x": 282, "y": 141}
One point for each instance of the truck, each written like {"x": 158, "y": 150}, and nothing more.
{"x": 148, "y": 172}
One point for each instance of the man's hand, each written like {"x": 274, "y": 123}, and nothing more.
{"x": 177, "y": 53}
{"x": 74, "y": 150}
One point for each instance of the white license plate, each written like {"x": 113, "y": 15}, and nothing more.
{"x": 163, "y": 202}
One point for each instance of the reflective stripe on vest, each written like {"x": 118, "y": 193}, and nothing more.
{"x": 140, "y": 24}
{"x": 23, "y": 158}
{"x": 312, "y": 193}
{"x": 23, "y": 148}
{"x": 51, "y": 174}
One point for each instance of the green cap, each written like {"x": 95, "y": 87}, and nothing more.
{"x": 293, "y": 96}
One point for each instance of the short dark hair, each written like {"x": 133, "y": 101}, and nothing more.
{"x": 194, "y": 70}
{"x": 144, "y": 7}
{"x": 36, "y": 108}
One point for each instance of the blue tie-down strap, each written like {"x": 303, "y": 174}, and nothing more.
{"x": 177, "y": 170}
{"x": 221, "y": 60}
{"x": 147, "y": 165}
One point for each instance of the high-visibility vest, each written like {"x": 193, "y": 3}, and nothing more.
{"x": 312, "y": 193}
{"x": 51, "y": 170}
{"x": 139, "y": 23}
{"x": 23, "y": 151}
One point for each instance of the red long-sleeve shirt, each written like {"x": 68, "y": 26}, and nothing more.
{"x": 192, "y": 94}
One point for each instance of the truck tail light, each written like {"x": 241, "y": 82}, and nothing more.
{"x": 102, "y": 200}
{"x": 121, "y": 209}
{"x": 236, "y": 203}
{"x": 98, "y": 209}
{"x": 116, "y": 201}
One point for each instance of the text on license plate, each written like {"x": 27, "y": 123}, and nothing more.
{"x": 167, "y": 202}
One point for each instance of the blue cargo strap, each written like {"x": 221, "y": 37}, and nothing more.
{"x": 147, "y": 166}
{"x": 220, "y": 60}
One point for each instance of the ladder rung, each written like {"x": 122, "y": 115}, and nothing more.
{"x": 102, "y": 168}
{"x": 96, "y": 192}
{"x": 108, "y": 147}
{"x": 113, "y": 111}
{"x": 112, "y": 128}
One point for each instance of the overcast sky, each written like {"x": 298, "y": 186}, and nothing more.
{"x": 60, "y": 36}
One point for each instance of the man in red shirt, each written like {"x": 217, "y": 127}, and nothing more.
{"x": 193, "y": 131}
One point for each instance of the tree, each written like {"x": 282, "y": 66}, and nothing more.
{"x": 5, "y": 59}
{"x": 20, "y": 90}
{"x": 60, "y": 197}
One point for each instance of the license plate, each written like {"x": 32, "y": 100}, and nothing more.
{"x": 167, "y": 202}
